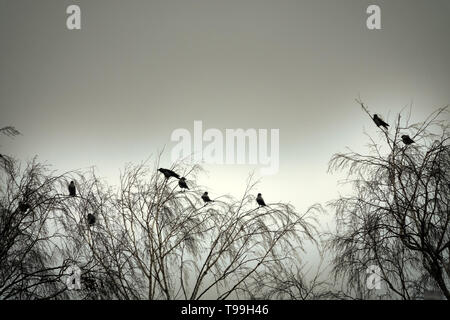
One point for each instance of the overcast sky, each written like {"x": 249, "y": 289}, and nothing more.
{"x": 114, "y": 91}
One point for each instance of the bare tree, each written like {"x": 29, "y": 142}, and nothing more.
{"x": 289, "y": 280}
{"x": 154, "y": 241}
{"x": 34, "y": 255}
{"x": 397, "y": 218}
{"x": 143, "y": 239}
{"x": 29, "y": 267}
{"x": 149, "y": 240}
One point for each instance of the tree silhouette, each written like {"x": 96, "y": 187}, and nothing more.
{"x": 398, "y": 216}
{"x": 153, "y": 241}
{"x": 150, "y": 240}
{"x": 29, "y": 264}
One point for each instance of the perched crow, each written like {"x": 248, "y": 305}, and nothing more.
{"x": 260, "y": 200}
{"x": 206, "y": 198}
{"x": 90, "y": 219}
{"x": 380, "y": 122}
{"x": 182, "y": 183}
{"x": 72, "y": 189}
{"x": 407, "y": 140}
{"x": 23, "y": 206}
{"x": 168, "y": 173}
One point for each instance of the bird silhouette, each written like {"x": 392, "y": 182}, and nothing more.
{"x": 182, "y": 183}
{"x": 72, "y": 189}
{"x": 260, "y": 200}
{"x": 206, "y": 198}
{"x": 24, "y": 206}
{"x": 379, "y": 122}
{"x": 168, "y": 173}
{"x": 91, "y": 219}
{"x": 407, "y": 140}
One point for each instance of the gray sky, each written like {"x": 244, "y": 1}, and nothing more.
{"x": 114, "y": 91}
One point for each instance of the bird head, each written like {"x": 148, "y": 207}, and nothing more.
{"x": 206, "y": 193}
{"x": 183, "y": 178}
{"x": 405, "y": 136}
{"x": 71, "y": 182}
{"x": 259, "y": 194}
{"x": 375, "y": 116}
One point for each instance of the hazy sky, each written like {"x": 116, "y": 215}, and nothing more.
{"x": 114, "y": 91}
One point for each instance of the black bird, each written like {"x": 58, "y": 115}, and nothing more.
{"x": 380, "y": 122}
{"x": 72, "y": 189}
{"x": 182, "y": 183}
{"x": 90, "y": 219}
{"x": 206, "y": 198}
{"x": 260, "y": 200}
{"x": 407, "y": 140}
{"x": 24, "y": 206}
{"x": 168, "y": 173}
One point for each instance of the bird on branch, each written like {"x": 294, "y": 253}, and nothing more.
{"x": 90, "y": 219}
{"x": 182, "y": 183}
{"x": 407, "y": 140}
{"x": 379, "y": 122}
{"x": 260, "y": 200}
{"x": 24, "y": 206}
{"x": 169, "y": 173}
{"x": 72, "y": 189}
{"x": 206, "y": 198}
